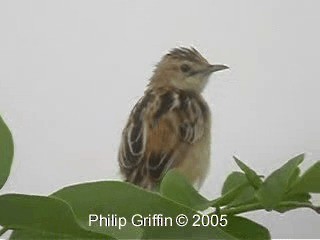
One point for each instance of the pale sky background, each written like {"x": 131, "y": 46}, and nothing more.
{"x": 70, "y": 71}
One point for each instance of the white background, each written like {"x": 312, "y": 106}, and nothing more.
{"x": 70, "y": 71}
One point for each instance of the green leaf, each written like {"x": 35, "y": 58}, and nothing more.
{"x": 273, "y": 189}
{"x": 42, "y": 215}
{"x": 309, "y": 181}
{"x": 6, "y": 152}
{"x": 234, "y": 180}
{"x": 244, "y": 197}
{"x": 297, "y": 197}
{"x": 233, "y": 186}
{"x": 177, "y": 188}
{"x": 252, "y": 176}
{"x": 294, "y": 178}
{"x": 127, "y": 200}
{"x": 28, "y": 234}
{"x": 244, "y": 228}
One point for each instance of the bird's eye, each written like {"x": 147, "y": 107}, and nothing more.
{"x": 185, "y": 68}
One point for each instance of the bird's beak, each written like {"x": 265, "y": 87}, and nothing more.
{"x": 216, "y": 67}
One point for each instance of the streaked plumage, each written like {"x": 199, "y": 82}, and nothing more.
{"x": 169, "y": 127}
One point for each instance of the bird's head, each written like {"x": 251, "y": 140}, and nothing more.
{"x": 185, "y": 69}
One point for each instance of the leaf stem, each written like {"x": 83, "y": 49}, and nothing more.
{"x": 301, "y": 205}
{"x": 228, "y": 197}
{"x": 3, "y": 231}
{"x": 257, "y": 206}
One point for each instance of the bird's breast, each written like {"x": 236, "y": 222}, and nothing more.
{"x": 196, "y": 160}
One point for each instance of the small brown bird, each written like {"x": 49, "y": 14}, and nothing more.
{"x": 170, "y": 125}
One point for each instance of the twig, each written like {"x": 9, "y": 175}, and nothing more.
{"x": 301, "y": 204}
{"x": 258, "y": 206}
{"x": 242, "y": 209}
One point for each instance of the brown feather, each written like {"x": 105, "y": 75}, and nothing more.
{"x": 162, "y": 124}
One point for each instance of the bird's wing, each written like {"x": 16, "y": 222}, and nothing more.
{"x": 159, "y": 125}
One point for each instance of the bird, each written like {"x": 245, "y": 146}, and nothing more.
{"x": 170, "y": 126}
